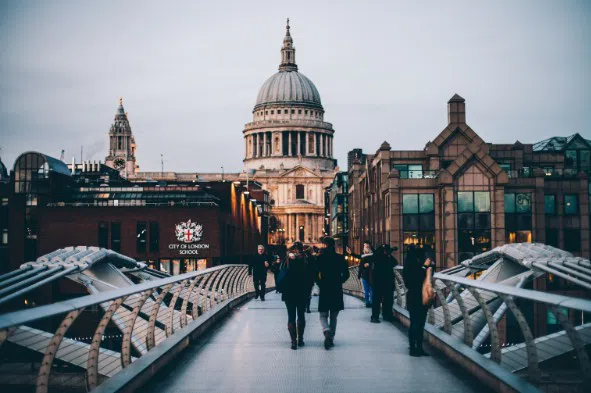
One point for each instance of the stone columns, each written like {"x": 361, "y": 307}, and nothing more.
{"x": 320, "y": 150}
{"x": 306, "y": 228}
{"x": 265, "y": 144}
{"x": 289, "y": 149}
{"x": 298, "y": 144}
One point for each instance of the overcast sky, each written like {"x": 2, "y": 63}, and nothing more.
{"x": 189, "y": 72}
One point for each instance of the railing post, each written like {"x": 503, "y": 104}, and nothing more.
{"x": 151, "y": 336}
{"x": 127, "y": 334}
{"x": 95, "y": 346}
{"x": 495, "y": 352}
{"x": 468, "y": 334}
{"x": 186, "y": 299}
{"x": 51, "y": 350}
{"x": 445, "y": 307}
{"x": 170, "y": 325}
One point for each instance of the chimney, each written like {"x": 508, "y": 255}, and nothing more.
{"x": 456, "y": 110}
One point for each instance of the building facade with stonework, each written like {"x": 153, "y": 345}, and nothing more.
{"x": 289, "y": 150}
{"x": 461, "y": 196}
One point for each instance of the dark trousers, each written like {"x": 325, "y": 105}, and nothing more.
{"x": 259, "y": 286}
{"x": 418, "y": 317}
{"x": 296, "y": 308}
{"x": 382, "y": 297}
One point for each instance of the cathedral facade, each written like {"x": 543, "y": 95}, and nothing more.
{"x": 289, "y": 150}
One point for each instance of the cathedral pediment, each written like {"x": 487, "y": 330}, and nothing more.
{"x": 300, "y": 171}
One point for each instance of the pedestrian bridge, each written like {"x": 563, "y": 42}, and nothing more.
{"x": 203, "y": 332}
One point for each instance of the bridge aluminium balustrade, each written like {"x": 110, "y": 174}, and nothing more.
{"x": 115, "y": 340}
{"x": 464, "y": 324}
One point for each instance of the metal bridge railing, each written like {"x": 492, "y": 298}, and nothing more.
{"x": 76, "y": 344}
{"x": 497, "y": 322}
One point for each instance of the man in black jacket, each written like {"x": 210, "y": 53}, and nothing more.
{"x": 383, "y": 282}
{"x": 258, "y": 266}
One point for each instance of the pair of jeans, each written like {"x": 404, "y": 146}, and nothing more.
{"x": 384, "y": 297}
{"x": 259, "y": 286}
{"x": 367, "y": 291}
{"x": 329, "y": 325}
{"x": 418, "y": 317}
{"x": 296, "y": 309}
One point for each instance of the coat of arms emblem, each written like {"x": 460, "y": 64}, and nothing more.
{"x": 189, "y": 232}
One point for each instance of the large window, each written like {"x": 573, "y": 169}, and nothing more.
{"x": 550, "y": 204}
{"x": 103, "y": 235}
{"x": 418, "y": 221}
{"x": 141, "y": 236}
{"x": 154, "y": 237}
{"x": 518, "y": 218}
{"x": 578, "y": 160}
{"x": 409, "y": 171}
{"x": 300, "y": 194}
{"x": 116, "y": 236}
{"x": 571, "y": 204}
{"x": 473, "y": 223}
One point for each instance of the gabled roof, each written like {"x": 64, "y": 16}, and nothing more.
{"x": 557, "y": 143}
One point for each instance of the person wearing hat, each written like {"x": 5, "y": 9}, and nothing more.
{"x": 383, "y": 283}
{"x": 295, "y": 292}
{"x": 332, "y": 272}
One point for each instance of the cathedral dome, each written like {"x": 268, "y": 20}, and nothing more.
{"x": 288, "y": 87}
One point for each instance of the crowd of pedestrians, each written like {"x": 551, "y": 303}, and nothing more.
{"x": 303, "y": 267}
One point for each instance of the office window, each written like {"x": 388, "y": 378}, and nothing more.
{"x": 473, "y": 223}
{"x": 418, "y": 221}
{"x": 154, "y": 237}
{"x": 506, "y": 167}
{"x": 116, "y": 236}
{"x": 409, "y": 171}
{"x": 103, "y": 235}
{"x": 518, "y": 218}
{"x": 141, "y": 236}
{"x": 550, "y": 204}
{"x": 572, "y": 240}
{"x": 571, "y": 204}
{"x": 552, "y": 237}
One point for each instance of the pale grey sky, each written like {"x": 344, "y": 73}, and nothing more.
{"x": 189, "y": 72}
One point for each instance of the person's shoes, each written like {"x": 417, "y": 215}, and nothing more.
{"x": 301, "y": 329}
{"x": 308, "y": 310}
{"x": 291, "y": 327}
{"x": 256, "y": 296}
{"x": 414, "y": 353}
{"x": 422, "y": 352}
{"x": 375, "y": 320}
{"x": 327, "y": 340}
{"x": 262, "y": 299}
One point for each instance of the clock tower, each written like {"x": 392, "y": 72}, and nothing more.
{"x": 121, "y": 144}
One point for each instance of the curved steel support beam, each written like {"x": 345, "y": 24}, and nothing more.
{"x": 199, "y": 295}
{"x": 215, "y": 288}
{"x": 242, "y": 282}
{"x": 151, "y": 336}
{"x": 209, "y": 290}
{"x": 230, "y": 284}
{"x": 222, "y": 286}
{"x": 575, "y": 339}
{"x": 186, "y": 298}
{"x": 533, "y": 369}
{"x": 170, "y": 324}
{"x": 403, "y": 289}
{"x": 95, "y": 346}
{"x": 445, "y": 307}
{"x": 51, "y": 350}
{"x": 238, "y": 281}
{"x": 495, "y": 352}
{"x": 468, "y": 333}
{"x": 126, "y": 343}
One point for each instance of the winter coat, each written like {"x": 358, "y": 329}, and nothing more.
{"x": 296, "y": 284}
{"x": 365, "y": 272}
{"x": 332, "y": 272}
{"x": 383, "y": 271}
{"x": 257, "y": 267}
{"x": 414, "y": 273}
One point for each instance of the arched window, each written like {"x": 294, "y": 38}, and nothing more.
{"x": 300, "y": 191}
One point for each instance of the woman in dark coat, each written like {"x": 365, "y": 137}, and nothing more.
{"x": 414, "y": 272}
{"x": 383, "y": 283}
{"x": 332, "y": 272}
{"x": 295, "y": 291}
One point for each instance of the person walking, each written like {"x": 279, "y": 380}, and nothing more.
{"x": 257, "y": 268}
{"x": 295, "y": 292}
{"x": 276, "y": 268}
{"x": 311, "y": 256}
{"x": 364, "y": 271}
{"x": 332, "y": 272}
{"x": 416, "y": 268}
{"x": 383, "y": 282}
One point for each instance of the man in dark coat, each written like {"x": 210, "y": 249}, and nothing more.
{"x": 383, "y": 282}
{"x": 332, "y": 272}
{"x": 258, "y": 266}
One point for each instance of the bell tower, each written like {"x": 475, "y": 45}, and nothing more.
{"x": 121, "y": 144}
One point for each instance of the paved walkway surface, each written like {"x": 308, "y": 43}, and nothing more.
{"x": 250, "y": 352}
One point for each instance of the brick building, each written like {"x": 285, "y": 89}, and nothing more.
{"x": 175, "y": 227}
{"x": 461, "y": 196}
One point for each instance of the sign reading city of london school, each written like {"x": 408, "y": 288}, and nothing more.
{"x": 188, "y": 234}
